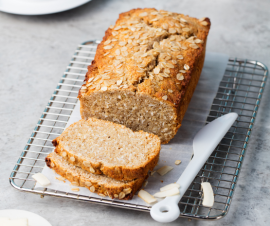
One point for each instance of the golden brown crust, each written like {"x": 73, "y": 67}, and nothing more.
{"x": 118, "y": 172}
{"x": 174, "y": 83}
{"x": 191, "y": 86}
{"x": 104, "y": 189}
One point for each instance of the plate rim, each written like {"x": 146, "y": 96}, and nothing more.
{"x": 28, "y": 214}
{"x": 31, "y": 8}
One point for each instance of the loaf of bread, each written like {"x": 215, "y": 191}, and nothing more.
{"x": 103, "y": 147}
{"x": 100, "y": 184}
{"x": 145, "y": 71}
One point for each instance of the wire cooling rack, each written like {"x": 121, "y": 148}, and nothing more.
{"x": 239, "y": 91}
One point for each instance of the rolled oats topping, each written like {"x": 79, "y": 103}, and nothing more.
{"x": 107, "y": 42}
{"x": 122, "y": 195}
{"x": 204, "y": 23}
{"x": 194, "y": 46}
{"x": 107, "y": 47}
{"x": 167, "y": 70}
{"x": 104, "y": 88}
{"x": 186, "y": 67}
{"x": 117, "y": 52}
{"x": 119, "y": 82}
{"x": 154, "y": 13}
{"x": 92, "y": 189}
{"x": 180, "y": 57}
{"x": 91, "y": 79}
{"x": 180, "y": 77}
{"x": 172, "y": 31}
{"x": 117, "y": 28}
{"x": 171, "y": 23}
{"x": 157, "y": 70}
{"x": 88, "y": 183}
{"x": 87, "y": 164}
{"x": 165, "y": 26}
{"x": 186, "y": 29}
{"x": 143, "y": 14}
{"x": 183, "y": 20}
{"x": 122, "y": 43}
{"x": 169, "y": 65}
{"x": 72, "y": 159}
{"x": 127, "y": 190}
{"x": 202, "y": 19}
{"x": 198, "y": 41}
{"x": 124, "y": 53}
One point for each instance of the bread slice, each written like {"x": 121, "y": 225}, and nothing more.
{"x": 103, "y": 147}
{"x": 100, "y": 184}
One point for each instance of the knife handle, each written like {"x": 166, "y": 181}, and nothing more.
{"x": 167, "y": 210}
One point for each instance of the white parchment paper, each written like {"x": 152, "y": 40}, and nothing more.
{"x": 180, "y": 147}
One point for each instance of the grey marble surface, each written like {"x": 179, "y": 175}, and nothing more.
{"x": 34, "y": 52}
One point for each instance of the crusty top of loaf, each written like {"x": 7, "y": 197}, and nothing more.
{"x": 148, "y": 51}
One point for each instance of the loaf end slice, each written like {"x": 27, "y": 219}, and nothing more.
{"x": 100, "y": 184}
{"x": 103, "y": 147}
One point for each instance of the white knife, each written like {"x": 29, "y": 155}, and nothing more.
{"x": 204, "y": 143}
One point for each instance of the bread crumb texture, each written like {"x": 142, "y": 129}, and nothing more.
{"x": 103, "y": 147}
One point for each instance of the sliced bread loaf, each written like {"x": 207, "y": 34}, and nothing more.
{"x": 100, "y": 184}
{"x": 145, "y": 71}
{"x": 103, "y": 147}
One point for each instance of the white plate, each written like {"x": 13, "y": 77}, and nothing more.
{"x": 38, "y": 7}
{"x": 33, "y": 219}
